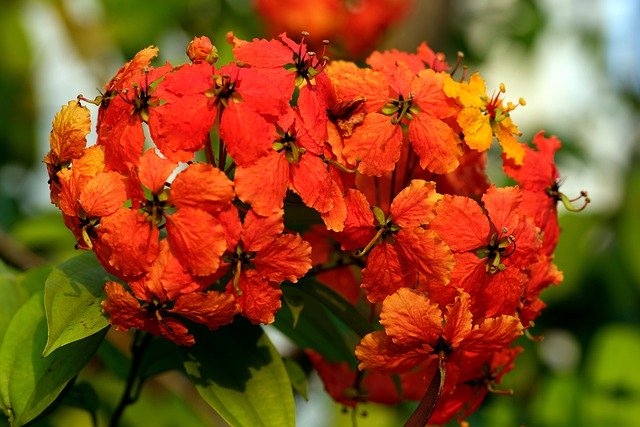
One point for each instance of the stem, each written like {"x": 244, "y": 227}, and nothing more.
{"x": 392, "y": 190}
{"x": 411, "y": 164}
{"x": 16, "y": 254}
{"x": 208, "y": 151}
{"x": 222, "y": 155}
{"x": 423, "y": 412}
{"x": 134, "y": 383}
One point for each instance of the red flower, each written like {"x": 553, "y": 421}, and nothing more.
{"x": 416, "y": 332}
{"x": 492, "y": 250}
{"x": 402, "y": 248}
{"x": 291, "y": 164}
{"x": 128, "y": 101}
{"x": 261, "y": 257}
{"x": 398, "y": 95}
{"x": 164, "y": 298}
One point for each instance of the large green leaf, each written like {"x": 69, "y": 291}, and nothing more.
{"x": 29, "y": 383}
{"x": 240, "y": 374}
{"x": 73, "y": 293}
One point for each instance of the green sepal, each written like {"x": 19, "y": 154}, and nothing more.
{"x": 379, "y": 215}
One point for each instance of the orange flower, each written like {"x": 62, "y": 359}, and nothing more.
{"x": 164, "y": 298}
{"x": 402, "y": 248}
{"x": 417, "y": 332}
{"x": 261, "y": 257}
{"x": 128, "y": 101}
{"x": 67, "y": 140}
{"x": 396, "y": 96}
{"x": 492, "y": 251}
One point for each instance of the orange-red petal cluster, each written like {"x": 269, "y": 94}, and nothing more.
{"x": 210, "y": 185}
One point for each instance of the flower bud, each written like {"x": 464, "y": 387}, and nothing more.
{"x": 201, "y": 49}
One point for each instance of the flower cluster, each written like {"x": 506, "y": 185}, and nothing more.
{"x": 185, "y": 194}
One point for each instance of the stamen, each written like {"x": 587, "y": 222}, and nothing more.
{"x": 492, "y": 389}
{"x": 530, "y": 336}
{"x": 96, "y": 101}
{"x": 568, "y": 203}
{"x": 459, "y": 59}
{"x": 338, "y": 165}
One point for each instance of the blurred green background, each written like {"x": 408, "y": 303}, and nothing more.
{"x": 575, "y": 62}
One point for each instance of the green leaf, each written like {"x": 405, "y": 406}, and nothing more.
{"x": 16, "y": 290}
{"x": 314, "y": 328}
{"x": 297, "y": 377}
{"x": 240, "y": 374}
{"x": 337, "y": 305}
{"x": 28, "y": 382}
{"x": 73, "y": 293}
{"x": 160, "y": 356}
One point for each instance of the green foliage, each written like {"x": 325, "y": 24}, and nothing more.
{"x": 239, "y": 373}
{"x": 73, "y": 292}
{"x": 309, "y": 325}
{"x": 29, "y": 383}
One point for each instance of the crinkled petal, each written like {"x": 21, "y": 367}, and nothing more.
{"x": 180, "y": 125}
{"x": 259, "y": 299}
{"x": 202, "y": 186}
{"x": 247, "y": 135}
{"x": 312, "y": 181}
{"x": 259, "y": 232}
{"x": 379, "y": 353}
{"x": 493, "y": 334}
{"x": 213, "y": 309}
{"x": 153, "y": 171}
{"x": 197, "y": 239}
{"x": 264, "y": 184}
{"x": 127, "y": 243}
{"x": 413, "y": 206}
{"x": 460, "y": 222}
{"x": 458, "y": 320}
{"x": 435, "y": 143}
{"x": 502, "y": 205}
{"x": 375, "y": 145}
{"x": 103, "y": 195}
{"x": 426, "y": 252}
{"x": 386, "y": 272}
{"x": 411, "y": 319}
{"x": 358, "y": 226}
{"x": 68, "y": 136}
{"x": 476, "y": 127}
{"x": 287, "y": 257}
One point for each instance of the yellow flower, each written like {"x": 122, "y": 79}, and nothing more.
{"x": 482, "y": 117}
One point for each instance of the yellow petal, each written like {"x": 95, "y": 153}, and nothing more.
{"x": 476, "y": 128}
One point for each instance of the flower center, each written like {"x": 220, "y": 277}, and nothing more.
{"x": 400, "y": 108}
{"x": 498, "y": 248}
